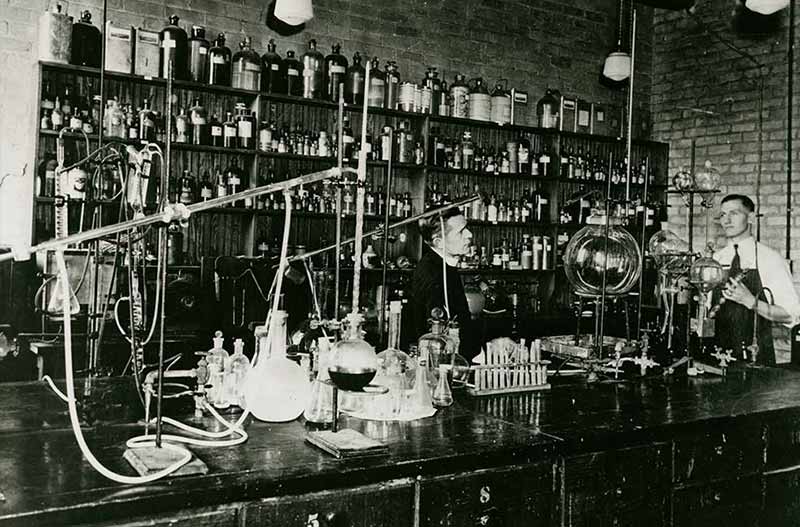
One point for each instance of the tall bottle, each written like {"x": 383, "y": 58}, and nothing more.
{"x": 273, "y": 74}
{"x": 377, "y": 83}
{"x": 480, "y": 102}
{"x": 335, "y": 73}
{"x": 354, "y": 85}
{"x": 432, "y": 82}
{"x": 198, "y": 121}
{"x": 547, "y": 110}
{"x": 246, "y": 67}
{"x": 216, "y": 358}
{"x": 147, "y": 123}
{"x": 245, "y": 127}
{"x": 86, "y": 42}
{"x": 459, "y": 97}
{"x": 219, "y": 63}
{"x": 433, "y": 345}
{"x": 392, "y": 92}
{"x": 198, "y": 55}
{"x": 294, "y": 69}
{"x": 236, "y": 372}
{"x": 313, "y": 71}
{"x": 174, "y": 47}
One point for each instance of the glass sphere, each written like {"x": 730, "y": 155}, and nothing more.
{"x": 706, "y": 273}
{"x": 589, "y": 254}
{"x": 707, "y": 178}
{"x": 665, "y": 246}
{"x": 683, "y": 180}
{"x": 353, "y": 361}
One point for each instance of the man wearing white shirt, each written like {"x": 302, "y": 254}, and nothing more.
{"x": 765, "y": 285}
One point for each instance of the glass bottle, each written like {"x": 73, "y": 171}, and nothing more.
{"x": 320, "y": 404}
{"x": 354, "y": 83}
{"x": 294, "y": 68}
{"x": 237, "y": 369}
{"x": 245, "y": 126}
{"x": 198, "y": 122}
{"x": 442, "y": 395}
{"x": 198, "y": 55}
{"x": 173, "y": 48}
{"x": 347, "y": 140}
{"x": 234, "y": 177}
{"x": 467, "y": 152}
{"x": 217, "y": 357}
{"x": 219, "y": 63}
{"x": 147, "y": 123}
{"x": 273, "y": 74}
{"x": 353, "y": 363}
{"x": 206, "y": 188}
{"x": 335, "y": 73}
{"x": 313, "y": 68}
{"x": 216, "y": 132}
{"x": 377, "y": 85}
{"x": 86, "y": 42}
{"x": 420, "y": 403}
{"x": 222, "y": 184}
{"x": 246, "y": 67}
{"x": 229, "y": 132}
{"x": 433, "y": 344}
{"x": 181, "y": 128}
{"x": 56, "y": 117}
{"x": 186, "y": 195}
{"x": 396, "y": 369}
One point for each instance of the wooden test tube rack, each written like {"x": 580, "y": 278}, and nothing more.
{"x": 521, "y": 370}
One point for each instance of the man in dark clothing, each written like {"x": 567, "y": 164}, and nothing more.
{"x": 446, "y": 237}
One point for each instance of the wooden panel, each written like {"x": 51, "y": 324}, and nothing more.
{"x": 388, "y": 505}
{"x": 202, "y": 518}
{"x": 728, "y": 503}
{"x": 521, "y": 495}
{"x": 782, "y": 499}
{"x": 729, "y": 450}
{"x": 783, "y": 442}
{"x": 630, "y": 472}
{"x": 615, "y": 508}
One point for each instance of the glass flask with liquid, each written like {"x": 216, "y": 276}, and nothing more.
{"x": 353, "y": 363}
{"x": 394, "y": 368}
{"x": 216, "y": 358}
{"x": 442, "y": 395}
{"x": 276, "y": 389}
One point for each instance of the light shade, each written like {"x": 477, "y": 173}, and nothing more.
{"x": 294, "y": 12}
{"x": 766, "y": 7}
{"x": 617, "y": 66}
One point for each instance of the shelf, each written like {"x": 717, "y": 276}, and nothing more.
{"x": 489, "y": 125}
{"x": 354, "y": 108}
{"x": 152, "y": 81}
{"x": 493, "y": 175}
{"x": 187, "y": 147}
{"x": 513, "y": 224}
{"x": 500, "y": 271}
{"x": 601, "y": 184}
{"x": 296, "y": 157}
{"x": 49, "y": 200}
{"x": 322, "y": 215}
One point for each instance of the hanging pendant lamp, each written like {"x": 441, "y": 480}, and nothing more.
{"x": 766, "y": 7}
{"x": 294, "y": 12}
{"x": 617, "y": 66}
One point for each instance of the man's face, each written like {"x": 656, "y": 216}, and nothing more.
{"x": 734, "y": 218}
{"x": 458, "y": 237}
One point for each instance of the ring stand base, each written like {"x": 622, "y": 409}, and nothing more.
{"x": 150, "y": 460}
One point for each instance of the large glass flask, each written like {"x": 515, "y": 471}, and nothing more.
{"x": 354, "y": 363}
{"x": 706, "y": 179}
{"x": 668, "y": 249}
{"x": 706, "y": 273}
{"x": 590, "y": 255}
{"x": 276, "y": 389}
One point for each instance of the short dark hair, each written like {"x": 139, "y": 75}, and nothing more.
{"x": 430, "y": 227}
{"x": 741, "y": 198}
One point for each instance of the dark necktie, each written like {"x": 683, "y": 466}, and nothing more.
{"x": 736, "y": 264}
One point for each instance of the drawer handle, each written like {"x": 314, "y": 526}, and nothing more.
{"x": 719, "y": 450}
{"x": 717, "y": 497}
{"x": 618, "y": 491}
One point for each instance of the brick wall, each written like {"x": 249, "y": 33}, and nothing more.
{"x": 532, "y": 44}
{"x": 704, "y": 90}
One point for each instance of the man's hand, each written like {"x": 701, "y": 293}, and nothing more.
{"x": 737, "y": 292}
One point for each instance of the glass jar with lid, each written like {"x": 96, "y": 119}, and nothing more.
{"x": 245, "y": 126}
{"x": 219, "y": 63}
{"x": 246, "y": 66}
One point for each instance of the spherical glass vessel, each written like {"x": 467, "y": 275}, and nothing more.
{"x": 707, "y": 178}
{"x": 706, "y": 273}
{"x": 353, "y": 363}
{"x": 683, "y": 180}
{"x": 590, "y": 254}
{"x": 666, "y": 247}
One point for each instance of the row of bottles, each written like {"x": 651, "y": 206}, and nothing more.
{"x": 226, "y": 373}
{"x": 534, "y": 252}
{"x": 515, "y": 157}
{"x": 583, "y": 166}
{"x": 533, "y": 206}
{"x": 68, "y": 109}
{"x": 583, "y": 205}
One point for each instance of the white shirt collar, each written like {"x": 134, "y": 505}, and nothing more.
{"x": 451, "y": 260}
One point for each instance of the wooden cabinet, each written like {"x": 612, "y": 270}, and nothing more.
{"x": 516, "y": 496}
{"x": 733, "y": 502}
{"x": 728, "y": 450}
{"x": 629, "y": 486}
{"x": 389, "y": 504}
{"x": 223, "y": 517}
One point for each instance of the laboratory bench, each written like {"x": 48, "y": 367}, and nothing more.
{"x": 652, "y": 451}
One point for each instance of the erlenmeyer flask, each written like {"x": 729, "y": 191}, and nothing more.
{"x": 55, "y": 306}
{"x": 442, "y": 396}
{"x": 420, "y": 400}
{"x": 277, "y": 389}
{"x": 320, "y": 405}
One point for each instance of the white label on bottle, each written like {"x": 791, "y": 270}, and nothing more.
{"x": 583, "y": 118}
{"x": 216, "y": 131}
{"x": 218, "y": 59}
{"x": 203, "y": 51}
{"x": 230, "y": 131}
{"x": 274, "y": 67}
{"x": 198, "y": 120}
{"x": 335, "y": 68}
{"x": 293, "y": 72}
{"x": 252, "y": 67}
{"x": 347, "y": 139}
{"x": 394, "y": 80}
{"x": 234, "y": 180}
{"x": 206, "y": 193}
{"x": 307, "y": 72}
{"x": 544, "y": 159}
{"x": 168, "y": 43}
{"x": 468, "y": 151}
{"x": 245, "y": 129}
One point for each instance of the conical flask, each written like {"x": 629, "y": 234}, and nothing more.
{"x": 420, "y": 400}
{"x": 320, "y": 405}
{"x": 276, "y": 389}
{"x": 442, "y": 396}
{"x": 55, "y": 306}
